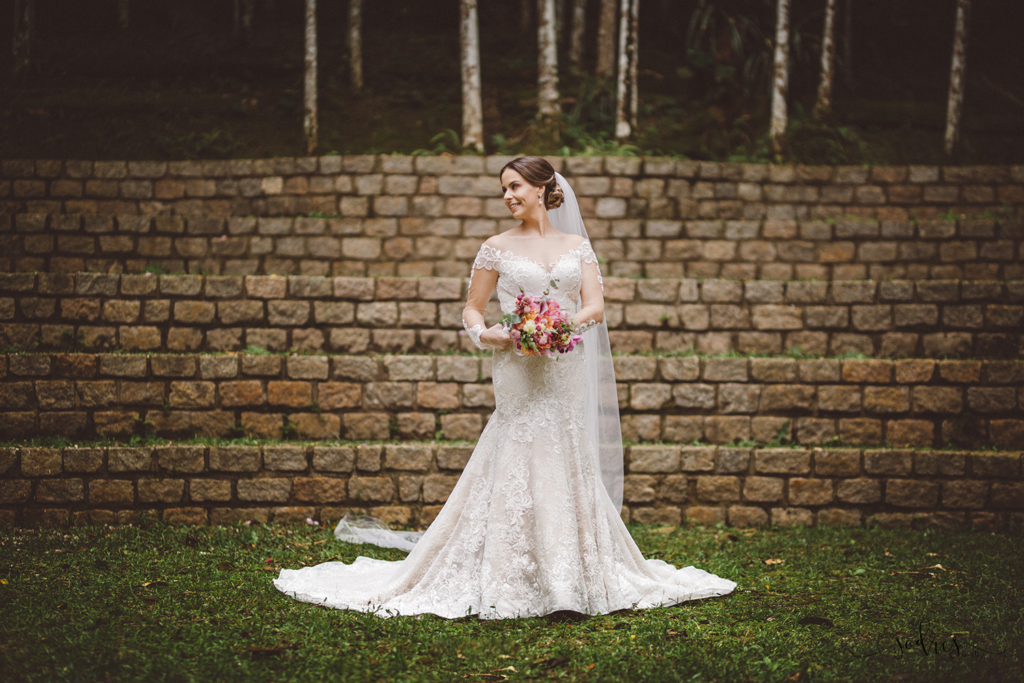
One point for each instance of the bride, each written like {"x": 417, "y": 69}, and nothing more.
{"x": 533, "y": 525}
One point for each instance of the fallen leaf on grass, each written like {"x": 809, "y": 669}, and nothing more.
{"x": 225, "y": 566}
{"x": 664, "y": 530}
{"x": 154, "y": 583}
{"x": 590, "y": 666}
{"x": 773, "y": 560}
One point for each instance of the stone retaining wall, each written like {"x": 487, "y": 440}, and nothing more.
{"x": 445, "y": 247}
{"x": 670, "y": 399}
{"x": 394, "y": 215}
{"x": 895, "y": 318}
{"x": 406, "y": 485}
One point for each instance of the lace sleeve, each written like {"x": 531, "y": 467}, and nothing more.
{"x": 587, "y": 255}
{"x": 487, "y": 258}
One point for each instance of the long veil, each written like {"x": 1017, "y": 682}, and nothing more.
{"x": 602, "y": 402}
{"x": 601, "y": 414}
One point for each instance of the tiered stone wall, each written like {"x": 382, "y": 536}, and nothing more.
{"x": 936, "y": 318}
{"x": 915, "y": 266}
{"x": 426, "y": 216}
{"x": 671, "y": 399}
{"x": 406, "y": 484}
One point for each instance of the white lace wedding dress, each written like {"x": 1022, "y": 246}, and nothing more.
{"x": 529, "y": 529}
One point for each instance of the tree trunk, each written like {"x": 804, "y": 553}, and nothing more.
{"x": 622, "y": 127}
{"x": 634, "y": 61}
{"x": 605, "y": 69}
{"x": 629, "y": 57}
{"x": 780, "y": 84}
{"x": 547, "y": 61}
{"x": 23, "y": 36}
{"x": 472, "y": 109}
{"x": 579, "y": 29}
{"x": 122, "y": 14}
{"x": 525, "y": 15}
{"x": 848, "y": 45}
{"x": 823, "y": 106}
{"x": 956, "y": 76}
{"x": 248, "y": 10}
{"x": 309, "y": 122}
{"x": 355, "y": 43}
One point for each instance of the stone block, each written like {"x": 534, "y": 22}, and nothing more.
{"x": 911, "y": 493}
{"x": 762, "y": 489}
{"x": 461, "y": 426}
{"x": 264, "y": 490}
{"x": 234, "y": 459}
{"x": 782, "y": 461}
{"x": 888, "y": 462}
{"x": 991, "y": 399}
{"x": 161, "y": 490}
{"x": 727, "y": 429}
{"x": 886, "y": 399}
{"x": 284, "y": 458}
{"x": 316, "y": 426}
{"x": 718, "y": 489}
{"x": 333, "y": 458}
{"x": 653, "y": 459}
{"x": 705, "y": 515}
{"x": 112, "y": 492}
{"x": 366, "y": 426}
{"x": 910, "y": 432}
{"x": 60, "y": 491}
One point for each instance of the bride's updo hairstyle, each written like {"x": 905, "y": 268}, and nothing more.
{"x": 539, "y": 173}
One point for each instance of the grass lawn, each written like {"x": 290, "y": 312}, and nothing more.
{"x": 164, "y": 603}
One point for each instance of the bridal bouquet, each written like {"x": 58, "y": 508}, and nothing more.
{"x": 539, "y": 327}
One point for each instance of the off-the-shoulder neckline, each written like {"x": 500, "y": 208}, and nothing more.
{"x": 505, "y": 253}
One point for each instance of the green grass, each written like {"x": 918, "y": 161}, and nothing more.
{"x": 163, "y": 603}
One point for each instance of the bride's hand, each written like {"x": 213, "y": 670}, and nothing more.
{"x": 496, "y": 337}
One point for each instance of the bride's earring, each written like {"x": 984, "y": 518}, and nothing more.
{"x": 540, "y": 199}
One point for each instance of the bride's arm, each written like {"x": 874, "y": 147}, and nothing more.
{"x": 481, "y": 287}
{"x": 591, "y": 295}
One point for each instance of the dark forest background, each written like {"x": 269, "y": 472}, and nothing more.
{"x": 178, "y": 84}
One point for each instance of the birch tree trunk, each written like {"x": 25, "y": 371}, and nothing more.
{"x": 23, "y": 33}
{"x": 579, "y": 28}
{"x": 472, "y": 109}
{"x": 309, "y": 122}
{"x": 547, "y": 60}
{"x": 634, "y": 61}
{"x": 956, "y": 76}
{"x": 605, "y": 68}
{"x": 355, "y": 43}
{"x": 122, "y": 14}
{"x": 823, "y": 106}
{"x": 780, "y": 83}
{"x": 626, "y": 88}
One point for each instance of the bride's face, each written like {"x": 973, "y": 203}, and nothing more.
{"x": 521, "y": 198}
